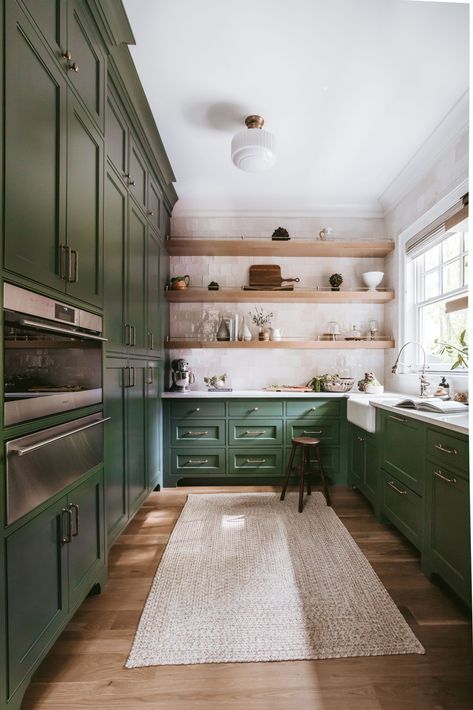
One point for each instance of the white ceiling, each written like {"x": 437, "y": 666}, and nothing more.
{"x": 350, "y": 88}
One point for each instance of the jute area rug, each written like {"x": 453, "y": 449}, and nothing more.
{"x": 245, "y": 577}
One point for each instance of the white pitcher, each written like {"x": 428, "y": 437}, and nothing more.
{"x": 275, "y": 334}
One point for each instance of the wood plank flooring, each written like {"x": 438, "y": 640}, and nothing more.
{"x": 85, "y": 668}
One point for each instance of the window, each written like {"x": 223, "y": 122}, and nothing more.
{"x": 440, "y": 288}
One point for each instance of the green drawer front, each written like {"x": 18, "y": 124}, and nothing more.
{"x": 313, "y": 408}
{"x": 197, "y": 408}
{"x": 265, "y": 432}
{"x": 320, "y": 429}
{"x": 203, "y": 461}
{"x": 447, "y": 449}
{"x": 201, "y": 433}
{"x": 255, "y": 408}
{"x": 404, "y": 508}
{"x": 264, "y": 462}
{"x": 404, "y": 450}
{"x": 330, "y": 461}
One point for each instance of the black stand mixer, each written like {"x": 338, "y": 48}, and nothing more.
{"x": 182, "y": 377}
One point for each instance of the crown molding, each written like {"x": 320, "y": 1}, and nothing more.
{"x": 349, "y": 211}
{"x": 450, "y": 129}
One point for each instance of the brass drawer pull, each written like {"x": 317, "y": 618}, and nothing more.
{"x": 255, "y": 409}
{"x": 439, "y": 474}
{"x": 197, "y": 433}
{"x": 255, "y": 461}
{"x": 397, "y": 419}
{"x": 256, "y": 433}
{"x": 398, "y": 490}
{"x": 197, "y": 409}
{"x": 197, "y": 461}
{"x": 312, "y": 432}
{"x": 444, "y": 450}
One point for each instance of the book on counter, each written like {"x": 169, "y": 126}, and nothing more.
{"x": 433, "y": 405}
{"x": 219, "y": 389}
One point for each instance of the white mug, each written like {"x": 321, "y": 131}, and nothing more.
{"x": 275, "y": 334}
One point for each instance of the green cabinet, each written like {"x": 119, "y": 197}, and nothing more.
{"x": 403, "y": 451}
{"x": 153, "y": 295}
{"x": 153, "y": 424}
{"x": 364, "y": 463}
{"x": 115, "y": 241}
{"x": 135, "y": 325}
{"x": 63, "y": 546}
{"x": 404, "y": 508}
{"x": 116, "y": 500}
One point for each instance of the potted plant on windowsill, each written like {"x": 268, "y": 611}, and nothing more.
{"x": 336, "y": 281}
{"x": 458, "y": 351}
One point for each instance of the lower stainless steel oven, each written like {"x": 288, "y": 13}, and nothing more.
{"x": 52, "y": 356}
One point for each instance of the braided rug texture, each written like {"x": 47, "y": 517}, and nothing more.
{"x": 245, "y": 577}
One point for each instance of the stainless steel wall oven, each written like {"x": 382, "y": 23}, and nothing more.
{"x": 52, "y": 356}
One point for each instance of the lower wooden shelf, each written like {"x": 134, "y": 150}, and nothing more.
{"x": 298, "y": 295}
{"x": 280, "y": 344}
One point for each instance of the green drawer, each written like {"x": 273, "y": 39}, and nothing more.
{"x": 202, "y": 432}
{"x": 447, "y": 449}
{"x": 404, "y": 449}
{"x": 266, "y": 432}
{"x": 197, "y": 408}
{"x": 327, "y": 431}
{"x": 310, "y": 408}
{"x": 264, "y": 462}
{"x": 204, "y": 461}
{"x": 330, "y": 462}
{"x": 403, "y": 507}
{"x": 255, "y": 408}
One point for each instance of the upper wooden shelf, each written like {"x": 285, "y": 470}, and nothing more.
{"x": 180, "y": 246}
{"x": 238, "y": 295}
{"x": 188, "y": 344}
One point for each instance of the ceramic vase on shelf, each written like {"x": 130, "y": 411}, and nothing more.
{"x": 245, "y": 332}
{"x": 263, "y": 334}
{"x": 223, "y": 333}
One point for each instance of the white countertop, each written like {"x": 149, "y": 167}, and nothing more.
{"x": 454, "y": 422}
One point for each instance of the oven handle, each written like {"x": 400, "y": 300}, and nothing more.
{"x": 22, "y": 450}
{"x": 56, "y": 329}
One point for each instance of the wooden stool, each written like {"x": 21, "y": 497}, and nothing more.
{"x": 307, "y": 445}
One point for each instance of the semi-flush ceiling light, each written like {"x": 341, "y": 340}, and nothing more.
{"x": 253, "y": 149}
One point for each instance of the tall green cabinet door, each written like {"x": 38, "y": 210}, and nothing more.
{"x": 50, "y": 16}
{"x": 116, "y": 135}
{"x": 85, "y": 160}
{"x": 154, "y": 205}
{"x": 37, "y": 603}
{"x": 35, "y": 154}
{"x": 87, "y": 547}
{"x": 136, "y": 291}
{"x": 153, "y": 425}
{"x": 115, "y": 231}
{"x": 357, "y": 456}
{"x": 153, "y": 296}
{"x": 136, "y": 435}
{"x": 87, "y": 56}
{"x": 115, "y": 380}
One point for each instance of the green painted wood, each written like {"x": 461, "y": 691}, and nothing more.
{"x": 198, "y": 462}
{"x": 404, "y": 508}
{"x": 323, "y": 429}
{"x": 447, "y": 538}
{"x": 261, "y": 462}
{"x": 138, "y": 182}
{"x": 264, "y": 432}
{"x": 155, "y": 201}
{"x": 115, "y": 235}
{"x": 137, "y": 478}
{"x": 312, "y": 408}
{"x": 136, "y": 277}
{"x": 153, "y": 297}
{"x": 203, "y": 432}
{"x": 35, "y": 154}
{"x": 404, "y": 449}
{"x": 357, "y": 457}
{"x": 116, "y": 136}
{"x": 254, "y": 408}
{"x": 153, "y": 425}
{"x": 83, "y": 43}
{"x": 35, "y": 611}
{"x": 87, "y": 548}
{"x": 197, "y": 408}
{"x": 448, "y": 448}
{"x": 116, "y": 499}
{"x": 50, "y": 17}
{"x": 373, "y": 476}
{"x": 85, "y": 164}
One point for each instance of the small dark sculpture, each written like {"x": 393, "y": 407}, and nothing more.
{"x": 280, "y": 234}
{"x": 213, "y": 286}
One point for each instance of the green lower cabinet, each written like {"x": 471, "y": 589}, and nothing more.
{"x": 52, "y": 562}
{"x": 196, "y": 433}
{"x": 363, "y": 463}
{"x": 447, "y": 531}
{"x": 153, "y": 425}
{"x": 324, "y": 429}
{"x": 201, "y": 462}
{"x": 403, "y": 453}
{"x": 263, "y": 462}
{"x": 265, "y": 432}
{"x": 404, "y": 508}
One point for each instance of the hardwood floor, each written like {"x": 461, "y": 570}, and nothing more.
{"x": 85, "y": 668}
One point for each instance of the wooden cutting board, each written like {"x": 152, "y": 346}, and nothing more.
{"x": 267, "y": 275}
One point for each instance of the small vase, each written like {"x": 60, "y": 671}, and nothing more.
{"x": 223, "y": 333}
{"x": 335, "y": 288}
{"x": 261, "y": 333}
{"x": 245, "y": 332}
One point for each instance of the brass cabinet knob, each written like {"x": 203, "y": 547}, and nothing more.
{"x": 71, "y": 66}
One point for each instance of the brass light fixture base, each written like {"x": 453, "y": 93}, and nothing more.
{"x": 254, "y": 121}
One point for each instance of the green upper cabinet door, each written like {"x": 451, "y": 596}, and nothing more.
{"x": 153, "y": 296}
{"x": 115, "y": 234}
{"x": 136, "y": 281}
{"x": 116, "y": 136}
{"x": 35, "y": 154}
{"x": 85, "y": 159}
{"x": 50, "y": 16}
{"x": 154, "y": 205}
{"x": 86, "y": 66}
{"x": 138, "y": 176}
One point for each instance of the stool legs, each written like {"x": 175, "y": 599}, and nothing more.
{"x": 288, "y": 472}
{"x": 322, "y": 476}
{"x": 301, "y": 483}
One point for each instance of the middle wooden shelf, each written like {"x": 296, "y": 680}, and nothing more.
{"x": 298, "y": 295}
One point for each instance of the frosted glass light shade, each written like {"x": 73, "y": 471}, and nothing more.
{"x": 254, "y": 150}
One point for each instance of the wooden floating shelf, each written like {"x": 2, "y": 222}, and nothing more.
{"x": 238, "y": 295}
{"x": 280, "y": 344}
{"x": 177, "y": 246}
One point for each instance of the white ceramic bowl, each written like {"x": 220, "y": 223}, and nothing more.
{"x": 372, "y": 279}
{"x": 374, "y": 389}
